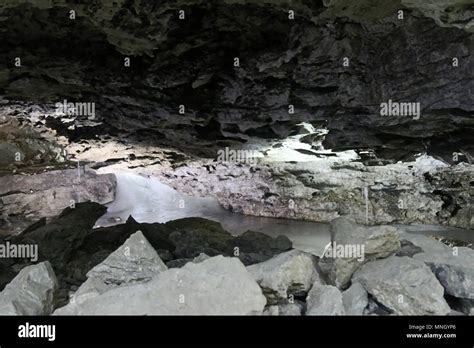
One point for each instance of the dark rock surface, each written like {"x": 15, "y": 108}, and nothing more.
{"x": 408, "y": 249}
{"x": 257, "y": 247}
{"x": 21, "y": 146}
{"x": 59, "y": 240}
{"x": 283, "y": 62}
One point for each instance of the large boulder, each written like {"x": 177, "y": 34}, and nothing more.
{"x": 454, "y": 270}
{"x": 216, "y": 286}
{"x": 454, "y": 267}
{"x": 31, "y": 292}
{"x": 289, "y": 273}
{"x": 371, "y": 242}
{"x": 324, "y": 300}
{"x": 134, "y": 262}
{"x": 47, "y": 194}
{"x": 403, "y": 285}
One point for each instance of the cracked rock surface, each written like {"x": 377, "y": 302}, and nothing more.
{"x": 283, "y": 62}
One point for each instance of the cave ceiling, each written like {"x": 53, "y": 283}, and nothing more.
{"x": 190, "y": 62}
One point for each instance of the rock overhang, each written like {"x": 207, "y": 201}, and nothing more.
{"x": 189, "y": 62}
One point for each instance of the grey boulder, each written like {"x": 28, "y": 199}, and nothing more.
{"x": 355, "y": 299}
{"x": 289, "y": 273}
{"x": 136, "y": 261}
{"x": 372, "y": 242}
{"x": 216, "y": 286}
{"x": 403, "y": 285}
{"x": 31, "y": 292}
{"x": 324, "y": 300}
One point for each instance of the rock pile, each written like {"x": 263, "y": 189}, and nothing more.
{"x": 132, "y": 278}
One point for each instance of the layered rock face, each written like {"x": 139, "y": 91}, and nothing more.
{"x": 219, "y": 72}
{"x": 38, "y": 179}
{"x": 321, "y": 189}
{"x": 201, "y": 76}
{"x": 339, "y": 108}
{"x": 32, "y": 197}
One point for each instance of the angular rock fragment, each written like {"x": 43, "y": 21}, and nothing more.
{"x": 324, "y": 300}
{"x": 31, "y": 292}
{"x": 454, "y": 267}
{"x": 403, "y": 285}
{"x": 362, "y": 244}
{"x": 289, "y": 273}
{"x": 216, "y": 286}
{"x": 201, "y": 257}
{"x": 35, "y": 197}
{"x": 134, "y": 262}
{"x": 355, "y": 299}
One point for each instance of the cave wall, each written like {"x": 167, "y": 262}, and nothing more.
{"x": 283, "y": 62}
